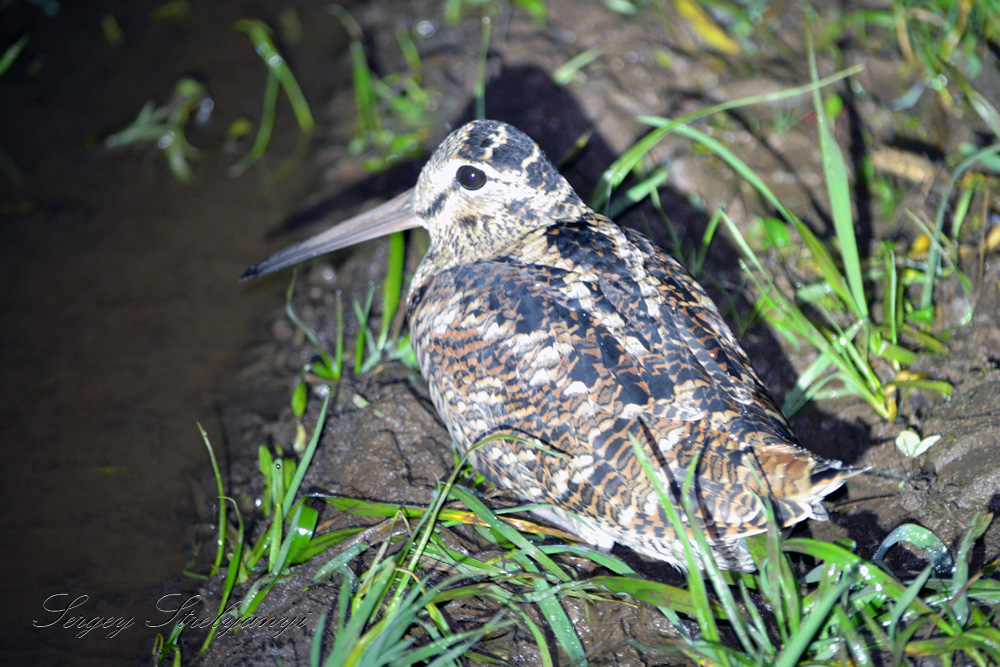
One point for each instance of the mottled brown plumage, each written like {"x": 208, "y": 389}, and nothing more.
{"x": 534, "y": 316}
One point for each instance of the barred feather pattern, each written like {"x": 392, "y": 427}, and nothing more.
{"x": 579, "y": 339}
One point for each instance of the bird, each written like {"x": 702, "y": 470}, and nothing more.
{"x": 571, "y": 340}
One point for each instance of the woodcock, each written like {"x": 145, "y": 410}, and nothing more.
{"x": 533, "y": 316}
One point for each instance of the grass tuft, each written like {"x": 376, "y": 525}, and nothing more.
{"x": 810, "y": 602}
{"x": 853, "y": 356}
{"x": 279, "y": 74}
{"x": 393, "y": 111}
{"x": 164, "y": 126}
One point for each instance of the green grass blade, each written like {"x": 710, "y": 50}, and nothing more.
{"x": 960, "y": 606}
{"x": 979, "y": 103}
{"x": 445, "y": 650}
{"x": 508, "y": 533}
{"x": 623, "y": 166}
{"x": 264, "y": 128}
{"x": 554, "y": 614}
{"x": 220, "y": 497}
{"x": 362, "y": 313}
{"x": 654, "y": 593}
{"x": 11, "y": 53}
{"x": 852, "y": 638}
{"x": 316, "y": 647}
{"x": 307, "y": 456}
{"x": 927, "y": 296}
{"x": 838, "y": 191}
{"x": 231, "y": 574}
{"x": 301, "y": 525}
{"x": 696, "y": 585}
{"x": 348, "y": 645}
{"x": 902, "y": 604}
{"x": 637, "y": 193}
{"x": 780, "y": 310}
{"x": 869, "y": 573}
{"x": 392, "y": 286}
{"x": 920, "y": 537}
{"x": 541, "y": 641}
{"x": 340, "y": 560}
{"x": 783, "y": 591}
{"x": 714, "y": 574}
{"x": 800, "y": 641}
{"x": 565, "y": 73}
{"x": 366, "y": 105}
{"x": 338, "y": 349}
{"x": 484, "y": 48}
{"x": 260, "y": 34}
{"x": 410, "y": 53}
{"x": 331, "y": 368}
{"x": 817, "y": 250}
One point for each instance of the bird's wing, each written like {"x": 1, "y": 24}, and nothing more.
{"x": 504, "y": 353}
{"x": 580, "y": 341}
{"x": 744, "y": 443}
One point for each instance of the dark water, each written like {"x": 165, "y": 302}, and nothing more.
{"x": 120, "y": 313}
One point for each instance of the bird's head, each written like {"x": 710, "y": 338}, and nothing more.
{"x": 485, "y": 187}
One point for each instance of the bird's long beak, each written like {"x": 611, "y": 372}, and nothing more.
{"x": 393, "y": 216}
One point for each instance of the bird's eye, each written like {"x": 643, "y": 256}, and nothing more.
{"x": 470, "y": 178}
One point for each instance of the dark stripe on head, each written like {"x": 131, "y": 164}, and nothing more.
{"x": 503, "y": 146}
{"x": 435, "y": 206}
{"x": 483, "y": 136}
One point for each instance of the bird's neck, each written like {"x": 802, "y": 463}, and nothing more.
{"x": 484, "y": 237}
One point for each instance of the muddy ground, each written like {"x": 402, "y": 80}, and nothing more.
{"x": 397, "y": 434}
{"x": 245, "y": 357}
